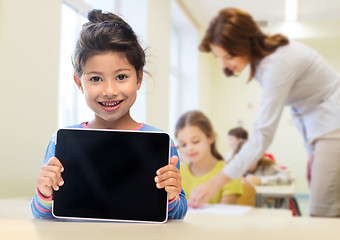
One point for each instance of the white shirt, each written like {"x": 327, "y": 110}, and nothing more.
{"x": 297, "y": 76}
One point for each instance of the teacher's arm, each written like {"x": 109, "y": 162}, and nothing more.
{"x": 276, "y": 85}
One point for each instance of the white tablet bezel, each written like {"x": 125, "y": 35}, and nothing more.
{"x": 116, "y": 220}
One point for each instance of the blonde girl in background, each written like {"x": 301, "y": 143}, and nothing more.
{"x": 197, "y": 142}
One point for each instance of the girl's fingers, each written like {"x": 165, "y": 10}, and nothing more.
{"x": 54, "y": 180}
{"x": 173, "y": 160}
{"x": 169, "y": 182}
{"x": 170, "y": 167}
{"x": 172, "y": 191}
{"x": 168, "y": 175}
{"x": 54, "y": 174}
{"x": 44, "y": 186}
{"x": 55, "y": 162}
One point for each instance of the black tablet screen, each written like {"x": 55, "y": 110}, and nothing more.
{"x": 110, "y": 175}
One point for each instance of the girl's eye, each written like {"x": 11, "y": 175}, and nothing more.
{"x": 183, "y": 145}
{"x": 196, "y": 142}
{"x": 121, "y": 77}
{"x": 95, "y": 79}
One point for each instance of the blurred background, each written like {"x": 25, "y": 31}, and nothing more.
{"x": 38, "y": 94}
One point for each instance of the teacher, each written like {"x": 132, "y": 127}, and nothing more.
{"x": 289, "y": 73}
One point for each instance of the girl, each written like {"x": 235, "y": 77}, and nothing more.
{"x": 196, "y": 139}
{"x": 234, "y": 136}
{"x": 108, "y": 63}
{"x": 292, "y": 74}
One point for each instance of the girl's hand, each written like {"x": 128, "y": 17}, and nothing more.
{"x": 168, "y": 177}
{"x": 50, "y": 177}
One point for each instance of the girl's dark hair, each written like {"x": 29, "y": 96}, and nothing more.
{"x": 239, "y": 132}
{"x": 236, "y": 31}
{"x": 198, "y": 119}
{"x": 107, "y": 32}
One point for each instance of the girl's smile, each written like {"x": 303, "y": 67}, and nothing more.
{"x": 192, "y": 155}
{"x": 110, "y": 106}
{"x": 110, "y": 85}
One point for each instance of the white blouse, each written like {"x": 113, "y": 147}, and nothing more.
{"x": 297, "y": 76}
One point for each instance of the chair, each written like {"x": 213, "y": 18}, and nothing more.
{"x": 248, "y": 198}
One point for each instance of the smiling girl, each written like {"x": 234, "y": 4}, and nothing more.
{"x": 197, "y": 142}
{"x": 108, "y": 63}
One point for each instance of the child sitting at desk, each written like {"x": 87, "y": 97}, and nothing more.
{"x": 264, "y": 171}
{"x": 109, "y": 63}
{"x": 234, "y": 136}
{"x": 197, "y": 142}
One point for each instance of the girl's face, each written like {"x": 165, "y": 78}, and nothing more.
{"x": 194, "y": 143}
{"x": 232, "y": 141}
{"x": 110, "y": 86}
{"x": 235, "y": 64}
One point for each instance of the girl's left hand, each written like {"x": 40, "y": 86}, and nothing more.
{"x": 168, "y": 177}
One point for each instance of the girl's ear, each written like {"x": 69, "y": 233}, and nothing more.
{"x": 139, "y": 79}
{"x": 78, "y": 82}
{"x": 212, "y": 139}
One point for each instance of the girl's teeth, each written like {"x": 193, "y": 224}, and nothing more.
{"x": 110, "y": 104}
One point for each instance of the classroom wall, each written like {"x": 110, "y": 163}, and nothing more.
{"x": 29, "y": 47}
{"x": 233, "y": 102}
{"x": 158, "y": 42}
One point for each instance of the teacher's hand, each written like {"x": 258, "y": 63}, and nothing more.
{"x": 202, "y": 194}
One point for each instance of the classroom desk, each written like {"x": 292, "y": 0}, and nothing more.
{"x": 278, "y": 191}
{"x": 16, "y": 222}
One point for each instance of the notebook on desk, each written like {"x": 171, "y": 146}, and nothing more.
{"x": 109, "y": 175}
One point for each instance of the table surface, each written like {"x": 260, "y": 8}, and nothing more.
{"x": 278, "y": 190}
{"x": 16, "y": 222}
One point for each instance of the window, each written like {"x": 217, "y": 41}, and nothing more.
{"x": 72, "y": 107}
{"x": 183, "y": 84}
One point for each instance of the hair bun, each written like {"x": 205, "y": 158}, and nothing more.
{"x": 95, "y": 15}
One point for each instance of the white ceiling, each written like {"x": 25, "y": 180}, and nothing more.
{"x": 263, "y": 10}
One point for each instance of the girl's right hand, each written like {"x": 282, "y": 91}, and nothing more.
{"x": 50, "y": 177}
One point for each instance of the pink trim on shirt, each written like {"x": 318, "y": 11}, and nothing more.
{"x": 49, "y": 199}
{"x": 40, "y": 208}
{"x": 84, "y": 124}
{"x": 173, "y": 200}
{"x": 139, "y": 126}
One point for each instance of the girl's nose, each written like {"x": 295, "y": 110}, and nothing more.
{"x": 110, "y": 89}
{"x": 190, "y": 146}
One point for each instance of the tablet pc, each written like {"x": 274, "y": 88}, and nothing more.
{"x": 109, "y": 175}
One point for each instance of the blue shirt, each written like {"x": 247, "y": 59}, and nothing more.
{"x": 42, "y": 207}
